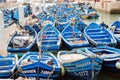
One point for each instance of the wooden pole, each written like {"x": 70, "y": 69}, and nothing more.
{"x": 21, "y": 15}
{"x": 3, "y": 41}
{"x": 40, "y": 6}
{"x": 33, "y": 8}
{"x": 44, "y": 5}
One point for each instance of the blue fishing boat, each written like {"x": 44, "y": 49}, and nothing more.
{"x": 73, "y": 38}
{"x": 15, "y": 14}
{"x": 49, "y": 38}
{"x": 80, "y": 65}
{"x": 115, "y": 28}
{"x": 34, "y": 65}
{"x": 47, "y": 19}
{"x": 22, "y": 41}
{"x": 82, "y": 13}
{"x": 61, "y": 19}
{"x": 27, "y": 10}
{"x": 76, "y": 22}
{"x": 41, "y": 15}
{"x": 8, "y": 65}
{"x": 111, "y": 57}
{"x": 92, "y": 14}
{"x": 7, "y": 17}
{"x": 61, "y": 23}
{"x": 98, "y": 35}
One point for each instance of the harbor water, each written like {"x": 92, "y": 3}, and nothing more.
{"x": 106, "y": 17}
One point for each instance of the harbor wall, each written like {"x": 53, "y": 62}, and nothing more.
{"x": 107, "y": 6}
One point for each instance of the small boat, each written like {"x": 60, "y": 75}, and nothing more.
{"x": 61, "y": 19}
{"x": 92, "y": 14}
{"x": 47, "y": 19}
{"x": 98, "y": 35}
{"x": 49, "y": 38}
{"x": 76, "y": 22}
{"x": 8, "y": 65}
{"x": 33, "y": 65}
{"x": 22, "y": 41}
{"x": 111, "y": 59}
{"x": 27, "y": 10}
{"x": 61, "y": 23}
{"x": 80, "y": 65}
{"x": 73, "y": 38}
{"x": 7, "y": 17}
{"x": 83, "y": 14}
{"x": 115, "y": 28}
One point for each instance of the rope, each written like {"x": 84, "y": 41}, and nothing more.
{"x": 38, "y": 65}
{"x": 13, "y": 74}
{"x": 93, "y": 57}
{"x": 51, "y": 72}
{"x": 39, "y": 55}
{"x": 20, "y": 70}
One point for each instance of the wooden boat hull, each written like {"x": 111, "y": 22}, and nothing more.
{"x": 8, "y": 65}
{"x": 99, "y": 36}
{"x": 31, "y": 38}
{"x": 39, "y": 68}
{"x": 76, "y": 22}
{"x": 49, "y": 39}
{"x": 73, "y": 38}
{"x": 115, "y": 28}
{"x": 84, "y": 69}
{"x": 47, "y": 19}
{"x": 111, "y": 56}
{"x": 92, "y": 14}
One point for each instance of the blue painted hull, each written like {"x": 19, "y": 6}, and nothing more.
{"x": 38, "y": 68}
{"x": 78, "y": 23}
{"x": 83, "y": 69}
{"x": 32, "y": 36}
{"x": 116, "y": 30}
{"x": 99, "y": 36}
{"x": 7, "y": 17}
{"x": 47, "y": 18}
{"x": 73, "y": 38}
{"x": 27, "y": 11}
{"x": 110, "y": 59}
{"x": 49, "y": 39}
{"x": 8, "y": 65}
{"x": 82, "y": 75}
{"x": 61, "y": 26}
{"x": 93, "y": 15}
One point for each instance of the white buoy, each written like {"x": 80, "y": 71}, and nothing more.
{"x": 21, "y": 15}
{"x": 62, "y": 71}
{"x": 117, "y": 64}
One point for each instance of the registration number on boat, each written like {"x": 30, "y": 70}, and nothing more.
{"x": 29, "y": 71}
{"x": 83, "y": 73}
{"x": 45, "y": 79}
{"x": 45, "y": 72}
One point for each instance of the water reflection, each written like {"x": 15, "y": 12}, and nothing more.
{"x": 104, "y": 76}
